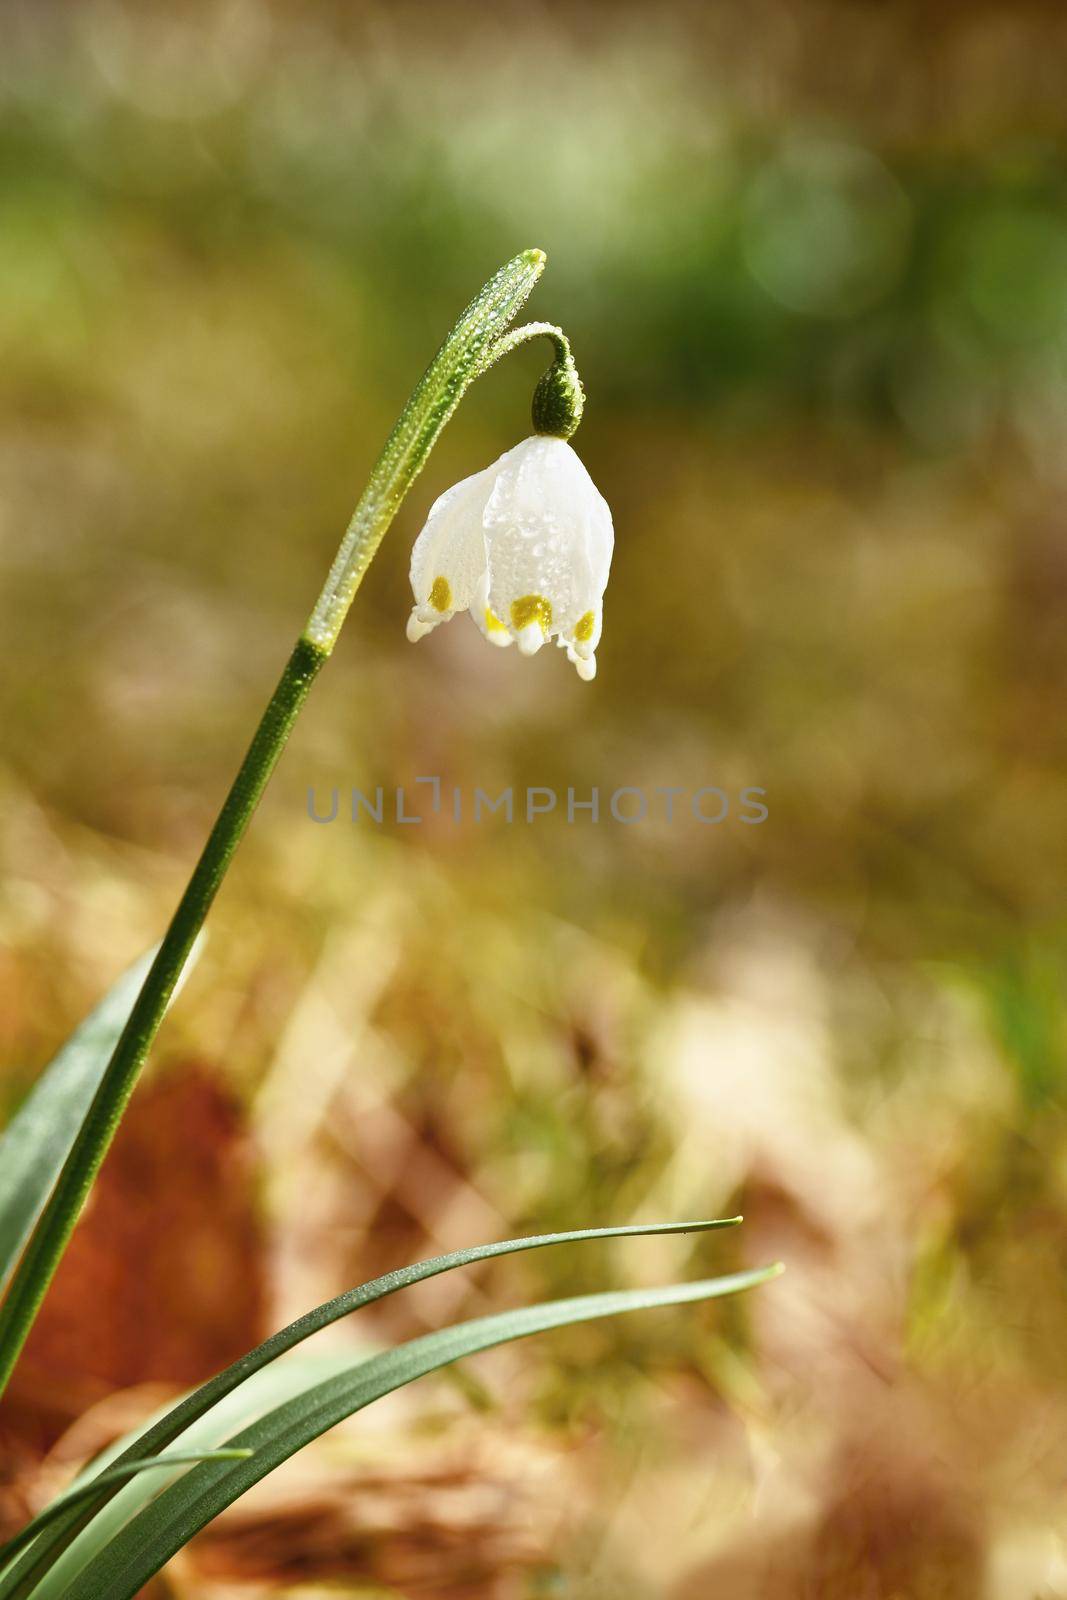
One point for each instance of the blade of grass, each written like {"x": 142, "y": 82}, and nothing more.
{"x": 116, "y": 1476}
{"x": 127, "y": 1560}
{"x": 263, "y": 1391}
{"x": 18, "y": 1581}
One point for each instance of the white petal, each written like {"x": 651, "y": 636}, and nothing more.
{"x": 488, "y": 622}
{"x": 416, "y": 628}
{"x": 549, "y": 540}
{"x": 531, "y": 638}
{"x": 448, "y": 561}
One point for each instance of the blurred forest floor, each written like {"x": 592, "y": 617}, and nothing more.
{"x": 813, "y": 261}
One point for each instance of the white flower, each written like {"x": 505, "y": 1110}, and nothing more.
{"x": 525, "y": 547}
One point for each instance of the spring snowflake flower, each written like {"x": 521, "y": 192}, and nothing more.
{"x": 525, "y": 547}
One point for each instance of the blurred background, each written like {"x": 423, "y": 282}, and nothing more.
{"x": 813, "y": 261}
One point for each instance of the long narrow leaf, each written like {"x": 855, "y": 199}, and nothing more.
{"x": 18, "y": 1580}
{"x": 116, "y": 1476}
{"x": 144, "y": 1545}
{"x": 263, "y": 1391}
{"x": 37, "y": 1141}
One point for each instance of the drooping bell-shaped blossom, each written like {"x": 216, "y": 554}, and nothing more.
{"x": 524, "y": 546}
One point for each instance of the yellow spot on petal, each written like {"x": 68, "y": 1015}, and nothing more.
{"x": 493, "y": 623}
{"x": 441, "y": 595}
{"x": 584, "y": 629}
{"x": 531, "y": 608}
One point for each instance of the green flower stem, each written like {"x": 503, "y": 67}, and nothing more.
{"x": 531, "y": 330}
{"x": 49, "y": 1238}
{"x": 467, "y": 352}
{"x": 559, "y": 399}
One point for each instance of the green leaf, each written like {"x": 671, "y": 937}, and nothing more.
{"x": 132, "y": 1556}
{"x": 204, "y": 1403}
{"x": 116, "y": 1476}
{"x": 38, "y": 1139}
{"x": 254, "y": 1398}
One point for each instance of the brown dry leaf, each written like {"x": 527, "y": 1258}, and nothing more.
{"x": 467, "y": 1516}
